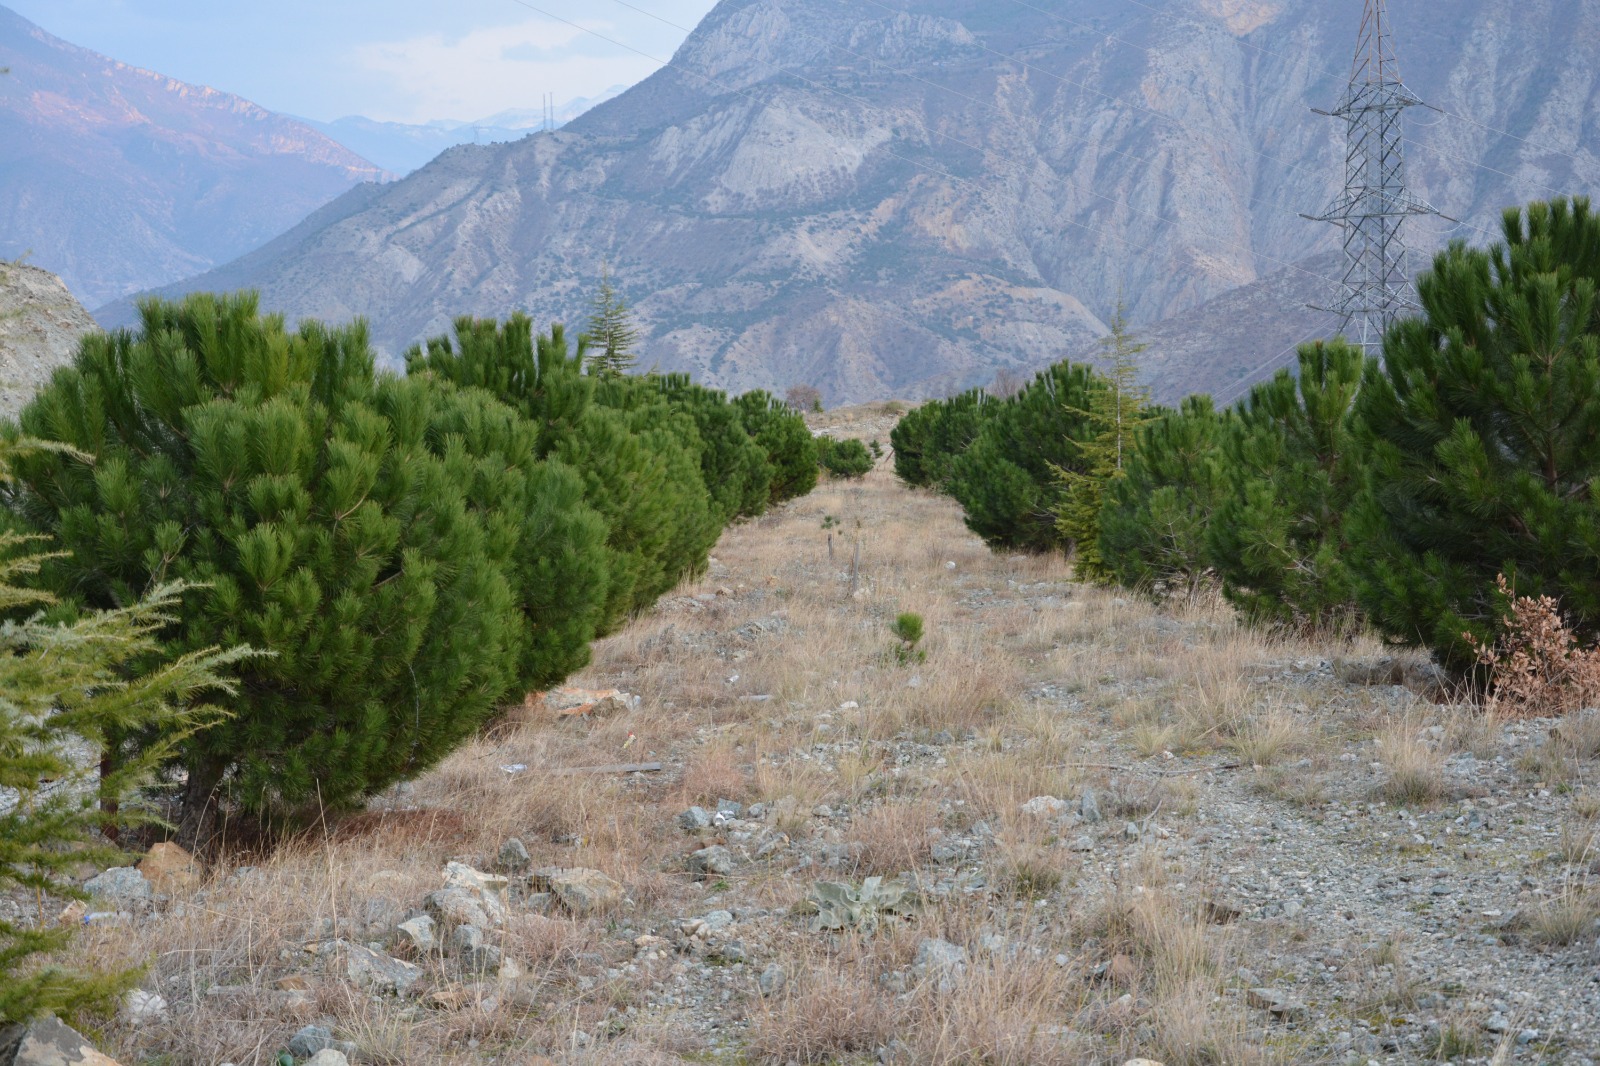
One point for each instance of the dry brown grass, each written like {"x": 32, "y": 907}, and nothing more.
{"x": 1414, "y": 767}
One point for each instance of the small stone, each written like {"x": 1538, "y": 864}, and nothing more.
{"x": 729, "y": 807}
{"x": 483, "y": 958}
{"x": 377, "y": 972}
{"x": 170, "y": 869}
{"x": 513, "y": 857}
{"x": 455, "y": 906}
{"x": 1497, "y": 1023}
{"x": 939, "y": 958}
{"x": 328, "y": 1057}
{"x": 310, "y": 1040}
{"x": 1265, "y": 998}
{"x": 1131, "y": 831}
{"x": 718, "y": 919}
{"x": 1089, "y": 807}
{"x": 417, "y": 933}
{"x": 772, "y": 979}
{"x": 1143, "y": 1062}
{"x": 463, "y": 938}
{"x": 139, "y": 1006}
{"x": 715, "y": 861}
{"x": 695, "y": 818}
{"x": 1044, "y": 807}
{"x": 1081, "y": 844}
{"x": 121, "y": 885}
{"x": 581, "y": 891}
{"x": 1291, "y": 908}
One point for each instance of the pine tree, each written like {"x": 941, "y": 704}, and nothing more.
{"x": 1293, "y": 468}
{"x": 97, "y": 681}
{"x": 1484, "y": 426}
{"x": 782, "y": 434}
{"x": 1154, "y": 519}
{"x": 303, "y": 490}
{"x": 1007, "y": 480}
{"x": 1114, "y": 415}
{"x": 928, "y": 439}
{"x": 612, "y": 334}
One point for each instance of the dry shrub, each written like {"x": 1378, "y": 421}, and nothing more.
{"x": 1002, "y": 1011}
{"x": 1567, "y": 918}
{"x": 1537, "y": 668}
{"x": 891, "y": 838}
{"x": 1579, "y": 735}
{"x": 828, "y": 1010}
{"x": 1415, "y": 767}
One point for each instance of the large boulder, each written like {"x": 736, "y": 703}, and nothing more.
{"x": 40, "y": 326}
{"x": 48, "y": 1042}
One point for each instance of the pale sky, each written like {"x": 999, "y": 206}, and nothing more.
{"x": 400, "y": 60}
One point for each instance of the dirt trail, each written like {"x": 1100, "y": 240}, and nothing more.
{"x": 1124, "y": 831}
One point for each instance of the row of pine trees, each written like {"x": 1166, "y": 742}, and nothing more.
{"x": 244, "y": 558}
{"x": 1384, "y": 493}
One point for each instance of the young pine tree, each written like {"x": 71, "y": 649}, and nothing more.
{"x": 1293, "y": 468}
{"x": 1484, "y": 427}
{"x": 304, "y": 492}
{"x": 95, "y": 682}
{"x": 1153, "y": 523}
{"x": 1113, "y": 417}
{"x": 612, "y": 336}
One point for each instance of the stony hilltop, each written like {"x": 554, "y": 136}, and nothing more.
{"x": 40, "y": 326}
{"x": 898, "y": 199}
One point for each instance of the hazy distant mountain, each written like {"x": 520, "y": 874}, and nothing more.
{"x": 119, "y": 179}
{"x": 401, "y": 147}
{"x": 898, "y": 197}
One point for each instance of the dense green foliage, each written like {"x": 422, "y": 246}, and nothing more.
{"x": 1484, "y": 430}
{"x": 1112, "y": 420}
{"x": 64, "y": 686}
{"x": 611, "y": 336}
{"x": 334, "y": 523}
{"x": 928, "y": 439}
{"x": 1008, "y": 480}
{"x": 1293, "y": 468}
{"x": 782, "y": 434}
{"x": 1154, "y": 519}
{"x": 843, "y": 458}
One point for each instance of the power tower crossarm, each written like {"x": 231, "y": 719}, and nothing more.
{"x": 1376, "y": 287}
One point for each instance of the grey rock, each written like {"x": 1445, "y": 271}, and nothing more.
{"x": 1497, "y": 1023}
{"x": 580, "y": 890}
{"x": 417, "y": 933}
{"x": 718, "y": 919}
{"x": 772, "y": 979}
{"x": 455, "y": 906}
{"x": 376, "y": 971}
{"x": 1131, "y": 831}
{"x": 309, "y": 1040}
{"x": 48, "y": 1041}
{"x": 1081, "y": 844}
{"x": 695, "y": 818}
{"x": 40, "y": 326}
{"x": 714, "y": 861}
{"x": 1089, "y": 807}
{"x": 513, "y": 857}
{"x": 482, "y": 958}
{"x": 123, "y": 885}
{"x": 729, "y": 807}
{"x": 329, "y": 1057}
{"x": 935, "y": 956}
{"x": 140, "y": 1006}
{"x": 463, "y": 938}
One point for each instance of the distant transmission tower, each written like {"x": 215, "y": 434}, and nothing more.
{"x": 1377, "y": 285}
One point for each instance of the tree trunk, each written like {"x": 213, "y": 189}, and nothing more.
{"x": 197, "y": 824}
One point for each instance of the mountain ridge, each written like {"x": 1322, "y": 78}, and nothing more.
{"x": 899, "y": 206}
{"x": 120, "y": 178}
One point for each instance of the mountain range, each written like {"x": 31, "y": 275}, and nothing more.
{"x": 403, "y": 147}
{"x": 897, "y": 198}
{"x": 120, "y": 179}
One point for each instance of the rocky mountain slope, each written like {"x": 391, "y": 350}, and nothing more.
{"x": 40, "y": 326}
{"x": 899, "y": 197}
{"x": 119, "y": 179}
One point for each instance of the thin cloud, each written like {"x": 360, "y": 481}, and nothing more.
{"x": 473, "y": 74}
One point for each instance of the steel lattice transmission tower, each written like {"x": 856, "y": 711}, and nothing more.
{"x": 1377, "y": 285}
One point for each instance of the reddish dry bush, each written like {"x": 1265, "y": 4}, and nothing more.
{"x": 1537, "y": 667}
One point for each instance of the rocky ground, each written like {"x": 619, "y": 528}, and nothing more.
{"x": 1064, "y": 827}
